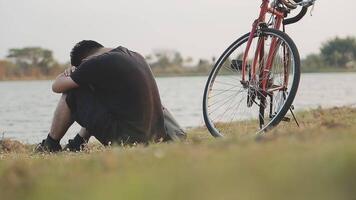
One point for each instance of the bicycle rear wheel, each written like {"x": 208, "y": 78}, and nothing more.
{"x": 230, "y": 105}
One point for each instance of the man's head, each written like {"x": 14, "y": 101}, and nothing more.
{"x": 82, "y": 50}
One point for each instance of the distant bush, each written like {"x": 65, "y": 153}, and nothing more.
{"x": 172, "y": 63}
{"x": 338, "y": 54}
{"x": 29, "y": 63}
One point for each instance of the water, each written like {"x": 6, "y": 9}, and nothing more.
{"x": 26, "y": 107}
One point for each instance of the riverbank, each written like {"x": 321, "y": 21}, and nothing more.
{"x": 316, "y": 161}
{"x": 170, "y": 75}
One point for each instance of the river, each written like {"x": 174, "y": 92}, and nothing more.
{"x": 26, "y": 107}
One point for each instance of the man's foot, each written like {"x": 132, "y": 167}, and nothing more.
{"x": 76, "y": 144}
{"x": 48, "y": 145}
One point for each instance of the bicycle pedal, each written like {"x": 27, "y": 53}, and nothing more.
{"x": 286, "y": 119}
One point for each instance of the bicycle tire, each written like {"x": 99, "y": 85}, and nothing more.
{"x": 218, "y": 65}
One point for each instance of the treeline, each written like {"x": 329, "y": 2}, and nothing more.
{"x": 337, "y": 54}
{"x": 171, "y": 63}
{"x": 39, "y": 63}
{"x": 30, "y": 63}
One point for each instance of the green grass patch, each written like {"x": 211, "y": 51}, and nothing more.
{"x": 316, "y": 161}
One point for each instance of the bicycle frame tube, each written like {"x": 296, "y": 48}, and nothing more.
{"x": 278, "y": 16}
{"x": 256, "y": 23}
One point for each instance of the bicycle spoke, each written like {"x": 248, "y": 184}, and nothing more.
{"x": 220, "y": 105}
{"x": 230, "y": 84}
{"x": 225, "y": 91}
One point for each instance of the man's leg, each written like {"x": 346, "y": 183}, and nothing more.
{"x": 62, "y": 120}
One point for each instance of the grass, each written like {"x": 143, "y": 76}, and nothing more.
{"x": 316, "y": 161}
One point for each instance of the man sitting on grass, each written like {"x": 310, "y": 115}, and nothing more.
{"x": 113, "y": 95}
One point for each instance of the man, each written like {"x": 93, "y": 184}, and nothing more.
{"x": 113, "y": 95}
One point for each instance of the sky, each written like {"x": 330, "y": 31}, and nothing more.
{"x": 197, "y": 28}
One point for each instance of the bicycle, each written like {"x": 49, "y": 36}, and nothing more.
{"x": 254, "y": 82}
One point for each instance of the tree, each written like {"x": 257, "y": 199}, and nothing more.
{"x": 203, "y": 66}
{"x": 7, "y": 69}
{"x": 162, "y": 61}
{"x": 177, "y": 59}
{"x": 339, "y": 52}
{"x": 312, "y": 62}
{"x": 32, "y": 57}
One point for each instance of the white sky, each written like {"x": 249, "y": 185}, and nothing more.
{"x": 198, "y": 28}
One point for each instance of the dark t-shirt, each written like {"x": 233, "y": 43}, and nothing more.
{"x": 123, "y": 83}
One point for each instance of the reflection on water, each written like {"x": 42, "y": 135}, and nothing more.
{"x": 26, "y": 107}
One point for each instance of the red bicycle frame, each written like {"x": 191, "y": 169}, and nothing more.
{"x": 279, "y": 17}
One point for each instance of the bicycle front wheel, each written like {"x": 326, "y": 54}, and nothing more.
{"x": 263, "y": 99}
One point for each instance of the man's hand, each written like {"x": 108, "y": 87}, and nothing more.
{"x": 64, "y": 82}
{"x": 69, "y": 71}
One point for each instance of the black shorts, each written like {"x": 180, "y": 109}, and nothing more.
{"x": 88, "y": 112}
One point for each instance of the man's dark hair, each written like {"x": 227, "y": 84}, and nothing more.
{"x": 82, "y": 50}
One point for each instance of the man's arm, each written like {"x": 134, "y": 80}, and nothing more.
{"x": 64, "y": 82}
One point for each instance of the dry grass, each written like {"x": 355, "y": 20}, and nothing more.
{"x": 12, "y": 146}
{"x": 316, "y": 161}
